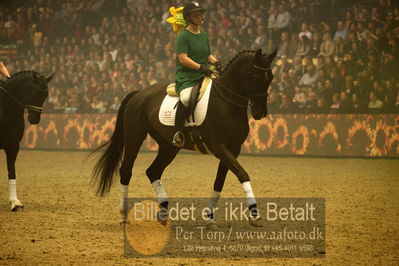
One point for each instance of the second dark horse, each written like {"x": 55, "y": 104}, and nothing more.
{"x": 23, "y": 90}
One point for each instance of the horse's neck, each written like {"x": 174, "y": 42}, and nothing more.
{"x": 9, "y": 108}
{"x": 231, "y": 80}
{"x": 9, "y": 104}
{"x": 231, "y": 77}
{"x": 16, "y": 88}
{"x": 232, "y": 95}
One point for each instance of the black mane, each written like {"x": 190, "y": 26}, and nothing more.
{"x": 235, "y": 58}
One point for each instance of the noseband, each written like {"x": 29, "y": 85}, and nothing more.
{"x": 29, "y": 107}
{"x": 259, "y": 94}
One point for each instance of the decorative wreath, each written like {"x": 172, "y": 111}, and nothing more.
{"x": 51, "y": 127}
{"x": 283, "y": 141}
{"x": 301, "y": 131}
{"x": 394, "y": 141}
{"x": 248, "y": 142}
{"x": 329, "y": 129}
{"x": 86, "y": 143}
{"x": 73, "y": 124}
{"x": 262, "y": 145}
{"x": 380, "y": 149}
{"x": 358, "y": 126}
{"x": 34, "y": 131}
{"x": 106, "y": 130}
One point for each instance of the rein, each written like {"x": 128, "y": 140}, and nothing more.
{"x": 241, "y": 98}
{"x": 26, "y": 106}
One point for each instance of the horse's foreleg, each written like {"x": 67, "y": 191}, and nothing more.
{"x": 229, "y": 159}
{"x": 11, "y": 154}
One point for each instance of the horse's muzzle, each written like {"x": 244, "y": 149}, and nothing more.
{"x": 258, "y": 116}
{"x": 258, "y": 112}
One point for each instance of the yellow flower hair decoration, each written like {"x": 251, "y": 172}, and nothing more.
{"x": 177, "y": 20}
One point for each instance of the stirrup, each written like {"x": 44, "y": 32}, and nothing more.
{"x": 178, "y": 139}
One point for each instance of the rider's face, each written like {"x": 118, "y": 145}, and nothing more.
{"x": 196, "y": 17}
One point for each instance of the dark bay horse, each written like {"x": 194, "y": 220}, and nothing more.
{"x": 244, "y": 81}
{"x": 23, "y": 90}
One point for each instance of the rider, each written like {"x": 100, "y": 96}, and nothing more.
{"x": 193, "y": 56}
{"x": 3, "y": 70}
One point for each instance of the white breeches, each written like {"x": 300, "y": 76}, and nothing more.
{"x": 185, "y": 96}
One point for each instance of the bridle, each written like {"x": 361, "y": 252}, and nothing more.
{"x": 29, "y": 107}
{"x": 242, "y": 101}
{"x": 265, "y": 70}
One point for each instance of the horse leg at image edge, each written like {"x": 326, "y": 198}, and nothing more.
{"x": 165, "y": 156}
{"x": 15, "y": 204}
{"x": 226, "y": 157}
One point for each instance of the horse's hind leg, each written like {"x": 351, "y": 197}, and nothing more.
{"x": 215, "y": 195}
{"x": 11, "y": 154}
{"x": 133, "y": 143}
{"x": 165, "y": 156}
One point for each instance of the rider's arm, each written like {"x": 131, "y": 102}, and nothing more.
{"x": 188, "y": 62}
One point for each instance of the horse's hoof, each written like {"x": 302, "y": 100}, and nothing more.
{"x": 17, "y": 208}
{"x": 162, "y": 217}
{"x": 212, "y": 225}
{"x": 16, "y": 205}
{"x": 256, "y": 221}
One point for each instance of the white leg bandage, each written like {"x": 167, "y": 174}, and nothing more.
{"x": 123, "y": 197}
{"x": 185, "y": 96}
{"x": 213, "y": 202}
{"x": 160, "y": 191}
{"x": 12, "y": 189}
{"x": 248, "y": 193}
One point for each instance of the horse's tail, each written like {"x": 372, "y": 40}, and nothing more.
{"x": 105, "y": 169}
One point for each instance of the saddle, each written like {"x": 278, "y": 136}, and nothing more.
{"x": 198, "y": 107}
{"x": 196, "y": 94}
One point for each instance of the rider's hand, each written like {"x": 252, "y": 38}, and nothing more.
{"x": 206, "y": 71}
{"x": 218, "y": 66}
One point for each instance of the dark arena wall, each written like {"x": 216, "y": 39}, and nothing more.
{"x": 368, "y": 135}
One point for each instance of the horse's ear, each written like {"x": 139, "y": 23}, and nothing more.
{"x": 49, "y": 78}
{"x": 272, "y": 55}
{"x": 258, "y": 56}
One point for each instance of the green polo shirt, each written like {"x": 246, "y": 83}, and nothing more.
{"x": 196, "y": 46}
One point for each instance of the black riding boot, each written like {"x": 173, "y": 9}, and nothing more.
{"x": 180, "y": 119}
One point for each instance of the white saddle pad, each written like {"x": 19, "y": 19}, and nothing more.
{"x": 167, "y": 111}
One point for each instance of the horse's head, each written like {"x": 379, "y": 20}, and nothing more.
{"x": 35, "y": 96}
{"x": 258, "y": 81}
{"x": 30, "y": 90}
{"x": 248, "y": 76}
